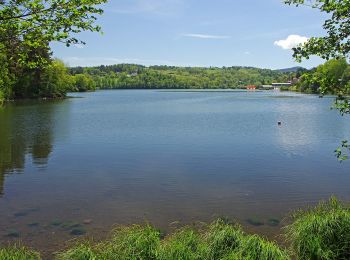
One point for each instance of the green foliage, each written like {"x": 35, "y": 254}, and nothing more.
{"x": 342, "y": 151}
{"x": 82, "y": 251}
{"x": 322, "y": 232}
{"x": 336, "y": 42}
{"x": 27, "y": 28}
{"x": 135, "y": 242}
{"x": 29, "y": 25}
{"x": 183, "y": 244}
{"x": 2, "y": 97}
{"x": 54, "y": 81}
{"x": 83, "y": 83}
{"x": 254, "y": 247}
{"x": 218, "y": 240}
{"x": 18, "y": 253}
{"x": 335, "y": 75}
{"x": 332, "y": 77}
{"x": 5, "y": 78}
{"x": 221, "y": 239}
{"x": 130, "y": 76}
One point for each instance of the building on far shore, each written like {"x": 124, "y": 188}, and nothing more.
{"x": 266, "y": 87}
{"x": 279, "y": 85}
{"x": 251, "y": 87}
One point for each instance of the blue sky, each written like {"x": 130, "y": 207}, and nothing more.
{"x": 197, "y": 33}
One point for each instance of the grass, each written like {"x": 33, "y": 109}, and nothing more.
{"x": 218, "y": 240}
{"x": 322, "y": 232}
{"x": 18, "y": 253}
{"x": 183, "y": 244}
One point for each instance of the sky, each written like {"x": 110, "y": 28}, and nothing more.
{"x": 257, "y": 33}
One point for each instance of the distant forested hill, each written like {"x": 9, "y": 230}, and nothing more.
{"x": 130, "y": 76}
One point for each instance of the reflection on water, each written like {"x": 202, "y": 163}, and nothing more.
{"x": 26, "y": 130}
{"x": 121, "y": 157}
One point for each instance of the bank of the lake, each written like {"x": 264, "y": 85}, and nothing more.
{"x": 321, "y": 232}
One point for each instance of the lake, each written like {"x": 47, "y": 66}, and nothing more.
{"x": 164, "y": 157}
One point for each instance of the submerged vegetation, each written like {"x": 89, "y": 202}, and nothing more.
{"x": 322, "y": 232}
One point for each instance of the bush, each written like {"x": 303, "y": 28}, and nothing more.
{"x": 322, "y": 232}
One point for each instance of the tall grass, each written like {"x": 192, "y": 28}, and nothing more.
{"x": 218, "y": 240}
{"x": 322, "y": 232}
{"x": 183, "y": 244}
{"x": 18, "y": 253}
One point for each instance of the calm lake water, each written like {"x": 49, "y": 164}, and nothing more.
{"x": 131, "y": 156}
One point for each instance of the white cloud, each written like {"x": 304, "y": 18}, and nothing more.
{"x": 291, "y": 42}
{"x": 206, "y": 36}
{"x": 247, "y": 53}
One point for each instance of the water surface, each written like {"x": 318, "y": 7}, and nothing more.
{"x": 120, "y": 157}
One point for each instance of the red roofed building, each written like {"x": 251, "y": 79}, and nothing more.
{"x": 251, "y": 87}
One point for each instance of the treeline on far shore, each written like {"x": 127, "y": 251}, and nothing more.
{"x": 54, "y": 80}
{"x": 130, "y": 76}
{"x": 332, "y": 77}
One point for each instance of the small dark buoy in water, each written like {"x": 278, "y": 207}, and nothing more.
{"x": 279, "y": 123}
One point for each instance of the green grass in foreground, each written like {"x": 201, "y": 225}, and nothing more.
{"x": 18, "y": 253}
{"x": 218, "y": 240}
{"x": 322, "y": 232}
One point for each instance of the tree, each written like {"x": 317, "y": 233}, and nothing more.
{"x": 55, "y": 80}
{"x": 27, "y": 27}
{"x": 336, "y": 44}
{"x": 84, "y": 82}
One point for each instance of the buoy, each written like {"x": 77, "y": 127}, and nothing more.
{"x": 279, "y": 123}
